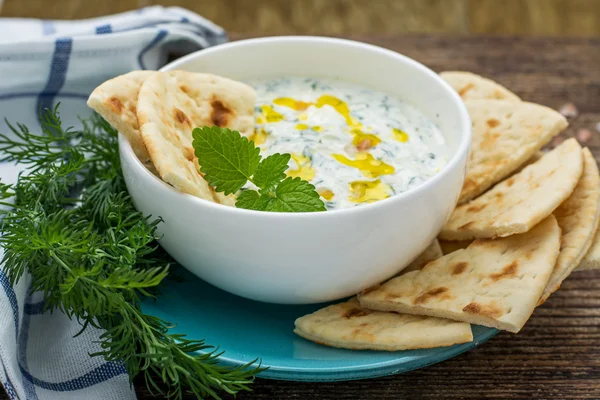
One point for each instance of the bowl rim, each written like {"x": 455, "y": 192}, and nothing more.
{"x": 462, "y": 149}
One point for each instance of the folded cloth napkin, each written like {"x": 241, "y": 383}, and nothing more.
{"x": 43, "y": 63}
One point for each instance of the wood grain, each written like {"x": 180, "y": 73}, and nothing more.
{"x": 557, "y": 355}
{"x": 341, "y": 17}
{"x": 535, "y": 17}
{"x": 277, "y": 17}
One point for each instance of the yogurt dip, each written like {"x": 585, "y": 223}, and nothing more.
{"x": 356, "y": 145}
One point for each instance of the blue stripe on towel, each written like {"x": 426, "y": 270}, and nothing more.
{"x": 160, "y": 36}
{"x": 34, "y": 308}
{"x": 57, "y": 75}
{"x": 12, "y": 299}
{"x": 22, "y": 342}
{"x": 98, "y": 375}
{"x": 103, "y": 29}
{"x": 8, "y": 386}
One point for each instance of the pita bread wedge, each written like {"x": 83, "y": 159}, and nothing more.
{"x": 348, "y": 326}
{"x": 533, "y": 159}
{"x": 578, "y": 221}
{"x": 474, "y": 87}
{"x": 432, "y": 252}
{"x": 451, "y": 246}
{"x": 495, "y": 283}
{"x": 520, "y": 202}
{"x": 171, "y": 105}
{"x": 505, "y": 136}
{"x": 116, "y": 101}
{"x": 592, "y": 258}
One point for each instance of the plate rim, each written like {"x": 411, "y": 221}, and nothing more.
{"x": 359, "y": 372}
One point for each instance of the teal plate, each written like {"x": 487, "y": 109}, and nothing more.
{"x": 247, "y": 330}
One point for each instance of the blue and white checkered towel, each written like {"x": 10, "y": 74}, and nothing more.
{"x": 42, "y": 63}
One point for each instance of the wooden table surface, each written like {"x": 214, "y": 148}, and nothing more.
{"x": 557, "y": 355}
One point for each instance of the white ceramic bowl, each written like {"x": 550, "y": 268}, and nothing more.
{"x": 309, "y": 257}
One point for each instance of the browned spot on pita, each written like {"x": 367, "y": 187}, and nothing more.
{"x": 459, "y": 268}
{"x": 508, "y": 271}
{"x": 181, "y": 117}
{"x": 359, "y": 330}
{"x": 475, "y": 208}
{"x": 188, "y": 153}
{"x": 356, "y": 312}
{"x": 510, "y": 182}
{"x": 465, "y": 89}
{"x": 489, "y": 310}
{"x": 391, "y": 296}
{"x": 492, "y": 122}
{"x": 184, "y": 89}
{"x": 489, "y": 140}
{"x": 465, "y": 226}
{"x": 530, "y": 253}
{"x": 469, "y": 183}
{"x": 142, "y": 119}
{"x": 440, "y": 292}
{"x": 132, "y": 108}
{"x": 116, "y": 104}
{"x": 220, "y": 113}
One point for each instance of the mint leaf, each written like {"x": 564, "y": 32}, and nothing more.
{"x": 251, "y": 200}
{"x": 226, "y": 159}
{"x": 271, "y": 171}
{"x": 294, "y": 195}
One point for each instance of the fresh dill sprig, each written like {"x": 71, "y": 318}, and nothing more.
{"x": 72, "y": 225}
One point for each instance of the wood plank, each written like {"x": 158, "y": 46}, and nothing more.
{"x": 535, "y": 17}
{"x": 276, "y": 17}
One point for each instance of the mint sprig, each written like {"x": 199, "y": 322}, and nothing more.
{"x": 229, "y": 160}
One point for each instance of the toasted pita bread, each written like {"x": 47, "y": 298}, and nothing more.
{"x": 116, "y": 101}
{"x": 432, "y": 252}
{"x": 592, "y": 258}
{"x": 171, "y": 105}
{"x": 495, "y": 283}
{"x": 348, "y": 326}
{"x": 578, "y": 220}
{"x": 533, "y": 159}
{"x": 521, "y": 201}
{"x": 505, "y": 136}
{"x": 474, "y": 87}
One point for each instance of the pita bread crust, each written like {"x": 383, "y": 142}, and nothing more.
{"x": 495, "y": 283}
{"x": 592, "y": 258}
{"x": 520, "y": 202}
{"x": 346, "y": 325}
{"x": 116, "y": 101}
{"x": 432, "y": 252}
{"x": 474, "y": 87}
{"x": 171, "y": 105}
{"x": 505, "y": 136}
{"x": 578, "y": 220}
